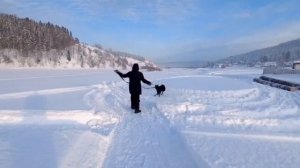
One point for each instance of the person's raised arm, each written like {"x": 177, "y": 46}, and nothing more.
{"x": 121, "y": 74}
{"x": 146, "y": 81}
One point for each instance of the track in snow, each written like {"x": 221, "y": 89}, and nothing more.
{"x": 150, "y": 140}
{"x": 147, "y": 140}
{"x": 142, "y": 140}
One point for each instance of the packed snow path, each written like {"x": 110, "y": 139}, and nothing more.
{"x": 147, "y": 140}
{"x": 142, "y": 140}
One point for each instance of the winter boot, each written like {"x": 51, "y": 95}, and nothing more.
{"x": 137, "y": 108}
{"x": 137, "y": 111}
{"x": 132, "y": 104}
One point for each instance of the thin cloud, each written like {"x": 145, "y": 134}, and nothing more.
{"x": 155, "y": 10}
{"x": 211, "y": 49}
{"x": 173, "y": 9}
{"x": 271, "y": 36}
{"x": 277, "y": 7}
{"x": 132, "y": 9}
{"x": 7, "y": 5}
{"x": 243, "y": 15}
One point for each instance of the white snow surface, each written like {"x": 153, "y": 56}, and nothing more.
{"x": 294, "y": 78}
{"x": 206, "y": 118}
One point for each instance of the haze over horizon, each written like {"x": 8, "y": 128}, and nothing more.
{"x": 170, "y": 30}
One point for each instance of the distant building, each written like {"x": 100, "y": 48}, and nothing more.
{"x": 288, "y": 64}
{"x": 296, "y": 65}
{"x": 270, "y": 64}
{"x": 221, "y": 65}
{"x": 258, "y": 64}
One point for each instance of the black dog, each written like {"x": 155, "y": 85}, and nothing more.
{"x": 160, "y": 89}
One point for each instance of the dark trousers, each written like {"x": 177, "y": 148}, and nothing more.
{"x": 135, "y": 101}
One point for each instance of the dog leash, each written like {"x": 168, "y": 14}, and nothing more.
{"x": 147, "y": 87}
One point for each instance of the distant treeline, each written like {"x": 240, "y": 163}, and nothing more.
{"x": 281, "y": 54}
{"x": 27, "y": 35}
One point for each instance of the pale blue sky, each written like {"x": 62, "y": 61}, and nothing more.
{"x": 170, "y": 30}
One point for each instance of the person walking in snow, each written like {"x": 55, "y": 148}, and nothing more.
{"x": 135, "y": 88}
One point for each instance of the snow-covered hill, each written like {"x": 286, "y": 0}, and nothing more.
{"x": 75, "y": 56}
{"x": 27, "y": 43}
{"x": 284, "y": 52}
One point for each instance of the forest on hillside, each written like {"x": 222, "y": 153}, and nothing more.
{"x": 24, "y": 35}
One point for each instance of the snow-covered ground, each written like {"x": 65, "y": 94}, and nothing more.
{"x": 206, "y": 118}
{"x": 294, "y": 78}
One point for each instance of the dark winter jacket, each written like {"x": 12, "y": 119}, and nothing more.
{"x": 135, "y": 78}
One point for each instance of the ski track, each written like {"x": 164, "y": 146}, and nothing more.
{"x": 45, "y": 92}
{"x": 247, "y": 109}
{"x": 262, "y": 137}
{"x": 85, "y": 136}
{"x": 49, "y": 76}
{"x": 229, "y": 120}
